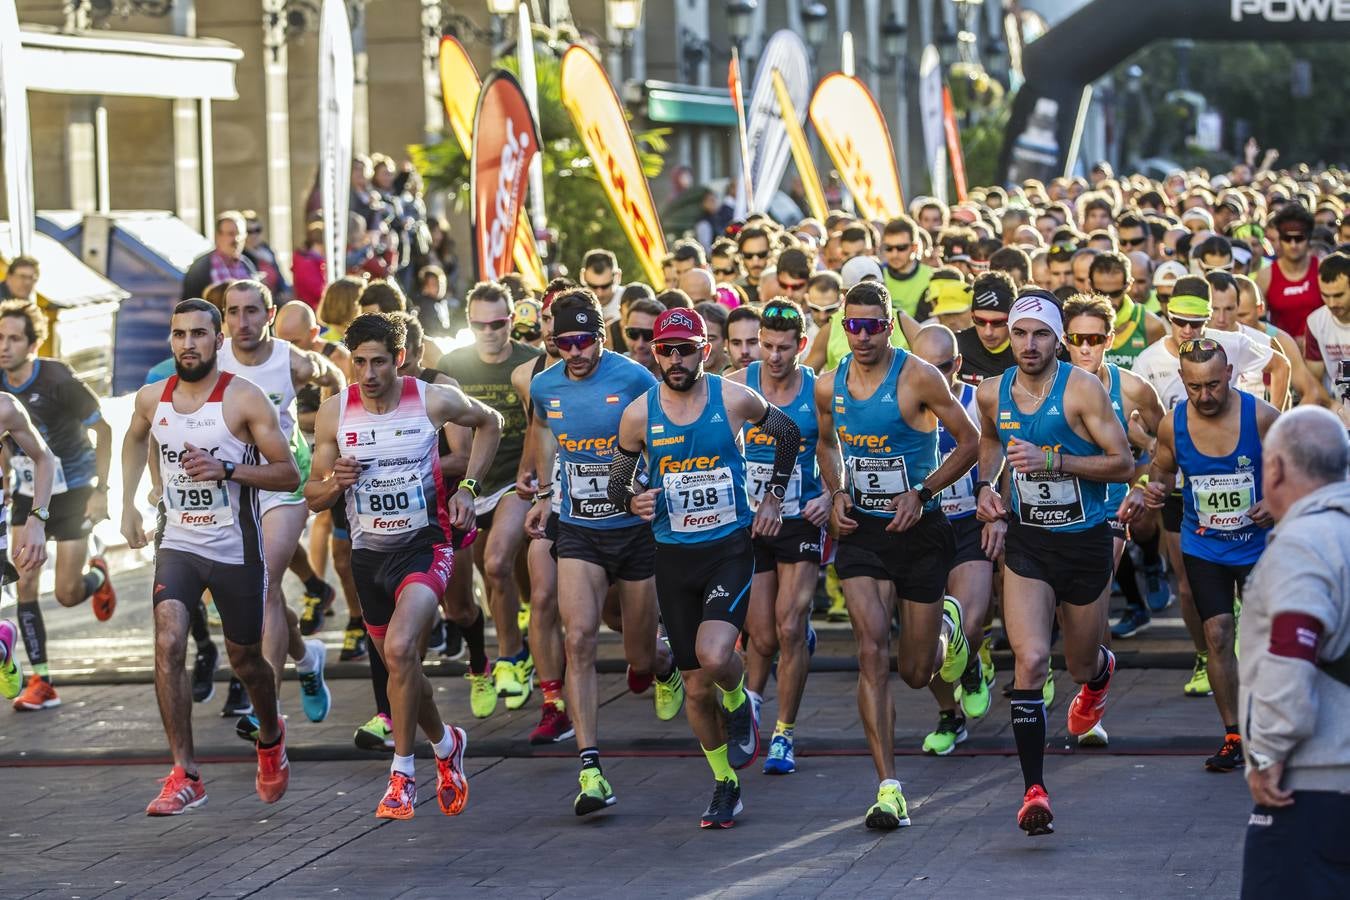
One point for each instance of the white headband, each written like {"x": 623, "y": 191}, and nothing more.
{"x": 1040, "y": 309}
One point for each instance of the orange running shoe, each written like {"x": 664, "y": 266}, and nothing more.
{"x": 1088, "y": 705}
{"x": 1035, "y": 817}
{"x": 452, "y": 785}
{"x": 274, "y": 769}
{"x": 177, "y": 794}
{"x": 401, "y": 798}
{"x": 104, "y": 600}
{"x": 37, "y": 694}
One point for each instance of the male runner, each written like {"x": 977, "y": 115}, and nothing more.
{"x": 483, "y": 371}
{"x": 64, "y": 411}
{"x": 978, "y": 544}
{"x": 1290, "y": 285}
{"x": 1214, "y": 440}
{"x": 577, "y": 408}
{"x": 216, "y": 436}
{"x": 882, "y": 407}
{"x": 1064, "y": 443}
{"x": 1133, "y": 328}
{"x": 279, "y": 368}
{"x": 690, "y": 427}
{"x": 787, "y": 565}
{"x": 985, "y": 352}
{"x": 376, "y": 451}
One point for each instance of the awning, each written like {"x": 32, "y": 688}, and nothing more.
{"x": 684, "y": 104}
{"x": 129, "y": 64}
{"x": 65, "y": 280}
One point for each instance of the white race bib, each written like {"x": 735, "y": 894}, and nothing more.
{"x": 757, "y": 478}
{"x": 959, "y": 498}
{"x": 588, "y": 487}
{"x": 391, "y": 503}
{"x": 1049, "y": 501}
{"x": 196, "y": 504}
{"x": 700, "y": 500}
{"x": 25, "y": 475}
{"x": 1223, "y": 502}
{"x": 876, "y": 481}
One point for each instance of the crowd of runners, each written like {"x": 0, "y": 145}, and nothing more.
{"x": 967, "y": 428}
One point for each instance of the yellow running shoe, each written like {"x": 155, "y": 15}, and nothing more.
{"x": 669, "y": 696}
{"x": 838, "y": 611}
{"x": 1198, "y": 686}
{"x": 523, "y": 618}
{"x": 482, "y": 694}
{"x": 890, "y": 810}
{"x": 1048, "y": 689}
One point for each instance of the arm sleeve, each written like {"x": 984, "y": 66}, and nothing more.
{"x": 787, "y": 439}
{"x": 622, "y": 467}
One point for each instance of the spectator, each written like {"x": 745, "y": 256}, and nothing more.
{"x": 383, "y": 296}
{"x": 309, "y": 267}
{"x": 264, "y": 257}
{"x": 341, "y": 303}
{"x": 431, "y": 304}
{"x": 225, "y": 262}
{"x": 20, "y": 280}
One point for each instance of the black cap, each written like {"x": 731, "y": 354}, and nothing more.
{"x": 992, "y": 295}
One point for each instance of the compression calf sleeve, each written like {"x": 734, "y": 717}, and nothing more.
{"x": 379, "y": 682}
{"x": 1028, "y": 722}
{"x": 34, "y": 636}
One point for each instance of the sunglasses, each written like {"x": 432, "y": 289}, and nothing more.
{"x": 1120, "y": 292}
{"x": 729, "y": 270}
{"x": 683, "y": 348}
{"x": 763, "y": 254}
{"x": 945, "y": 367}
{"x": 1187, "y": 323}
{"x": 569, "y": 342}
{"x": 780, "y": 312}
{"x": 1203, "y": 345}
{"x": 825, "y": 310}
{"x": 1293, "y": 238}
{"x": 493, "y": 325}
{"x": 981, "y": 322}
{"x": 869, "y": 326}
{"x": 1078, "y": 339}
{"x": 1133, "y": 242}
{"x": 896, "y": 248}
{"x": 607, "y": 286}
{"x": 791, "y": 286}
{"x": 637, "y": 334}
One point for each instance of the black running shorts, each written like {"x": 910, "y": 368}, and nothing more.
{"x": 626, "y": 554}
{"x": 1077, "y": 565}
{"x": 1171, "y": 513}
{"x": 381, "y": 576}
{"x": 238, "y": 590}
{"x": 1214, "y": 585}
{"x": 696, "y": 583}
{"x": 341, "y": 530}
{"x": 68, "y": 521}
{"x": 797, "y": 541}
{"x": 969, "y": 532}
{"x": 917, "y": 561}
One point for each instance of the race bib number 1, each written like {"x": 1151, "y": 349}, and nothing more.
{"x": 588, "y": 488}
{"x": 701, "y": 500}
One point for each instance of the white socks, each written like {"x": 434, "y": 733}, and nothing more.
{"x": 403, "y": 765}
{"x": 446, "y": 745}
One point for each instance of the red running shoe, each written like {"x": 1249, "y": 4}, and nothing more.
{"x": 177, "y": 794}
{"x": 104, "y": 600}
{"x": 399, "y": 800}
{"x": 554, "y": 726}
{"x": 1088, "y": 705}
{"x": 1035, "y": 817}
{"x": 452, "y": 785}
{"x": 638, "y": 682}
{"x": 274, "y": 769}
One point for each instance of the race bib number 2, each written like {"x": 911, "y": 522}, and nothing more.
{"x": 702, "y": 500}
{"x": 876, "y": 481}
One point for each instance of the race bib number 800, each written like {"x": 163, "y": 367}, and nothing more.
{"x": 391, "y": 503}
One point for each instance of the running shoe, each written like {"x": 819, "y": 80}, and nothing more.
{"x": 11, "y": 673}
{"x": 554, "y": 725}
{"x": 455, "y": 649}
{"x": 1047, "y": 689}
{"x": 520, "y": 687}
{"x": 1157, "y": 592}
{"x": 236, "y": 700}
{"x": 638, "y": 682}
{"x": 811, "y": 638}
{"x": 315, "y": 697}
{"x": 1086, "y": 709}
{"x": 987, "y": 660}
{"x": 436, "y": 641}
{"x": 958, "y": 649}
{"x": 246, "y": 728}
{"x": 36, "y": 694}
{"x": 482, "y": 694}
{"x": 838, "y": 611}
{"x": 669, "y": 696}
{"x": 1198, "y": 686}
{"x": 1229, "y": 757}
{"x": 725, "y": 806}
{"x": 951, "y": 730}
{"x": 315, "y": 608}
{"x": 1133, "y": 620}
{"x": 177, "y": 794}
{"x": 595, "y": 794}
{"x": 104, "y": 600}
{"x": 973, "y": 691}
{"x": 355, "y": 645}
{"x": 377, "y": 734}
{"x": 204, "y": 672}
{"x": 399, "y": 800}
{"x": 890, "y": 811}
{"x": 1035, "y": 817}
{"x": 779, "y": 760}
{"x": 523, "y": 618}
{"x": 212, "y": 614}
{"x": 742, "y": 734}
{"x": 274, "y": 769}
{"x": 452, "y": 785}
{"x": 1097, "y": 737}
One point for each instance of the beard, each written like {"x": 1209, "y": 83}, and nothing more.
{"x": 693, "y": 374}
{"x": 197, "y": 372}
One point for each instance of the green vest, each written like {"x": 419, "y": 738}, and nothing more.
{"x": 1124, "y": 355}
{"x": 907, "y": 292}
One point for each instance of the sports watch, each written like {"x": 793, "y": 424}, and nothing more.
{"x": 229, "y": 469}
{"x": 924, "y": 493}
{"x": 42, "y": 514}
{"x": 470, "y": 485}
{"x": 777, "y": 490}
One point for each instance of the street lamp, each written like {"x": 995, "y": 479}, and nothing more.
{"x": 624, "y": 15}
{"x": 893, "y": 38}
{"x": 739, "y": 15}
{"x": 501, "y": 7}
{"x": 815, "y": 24}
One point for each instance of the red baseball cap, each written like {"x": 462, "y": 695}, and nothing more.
{"x": 679, "y": 324}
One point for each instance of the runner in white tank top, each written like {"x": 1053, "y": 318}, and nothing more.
{"x": 214, "y": 432}
{"x": 375, "y": 450}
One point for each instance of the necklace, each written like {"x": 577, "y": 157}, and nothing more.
{"x": 1037, "y": 397}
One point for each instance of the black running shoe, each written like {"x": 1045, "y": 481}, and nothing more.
{"x": 436, "y": 640}
{"x": 1229, "y": 757}
{"x": 742, "y": 734}
{"x": 725, "y": 806}
{"x": 315, "y": 608}
{"x": 454, "y": 642}
{"x": 236, "y": 700}
{"x": 204, "y": 672}
{"x": 354, "y": 645}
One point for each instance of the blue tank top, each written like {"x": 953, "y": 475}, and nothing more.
{"x": 584, "y": 418}
{"x": 701, "y": 470}
{"x": 759, "y": 447}
{"x": 1116, "y": 490}
{"x": 1064, "y": 503}
{"x": 883, "y": 456}
{"x": 958, "y": 500}
{"x": 1220, "y": 491}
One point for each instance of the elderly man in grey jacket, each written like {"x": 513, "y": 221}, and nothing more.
{"x": 1294, "y": 699}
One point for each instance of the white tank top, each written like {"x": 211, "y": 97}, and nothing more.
{"x": 218, "y": 520}
{"x": 398, "y": 503}
{"x": 273, "y": 376}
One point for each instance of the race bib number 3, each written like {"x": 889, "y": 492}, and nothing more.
{"x": 757, "y": 478}
{"x": 391, "y": 503}
{"x": 702, "y": 500}
{"x": 25, "y": 475}
{"x": 196, "y": 504}
{"x": 588, "y": 488}
{"x": 1223, "y": 502}
{"x": 876, "y": 481}
{"x": 1049, "y": 502}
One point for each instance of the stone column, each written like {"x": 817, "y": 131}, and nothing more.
{"x": 276, "y": 130}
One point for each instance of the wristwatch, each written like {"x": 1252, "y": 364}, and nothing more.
{"x": 470, "y": 485}
{"x": 42, "y": 514}
{"x": 924, "y": 493}
{"x": 777, "y": 490}
{"x": 229, "y": 469}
